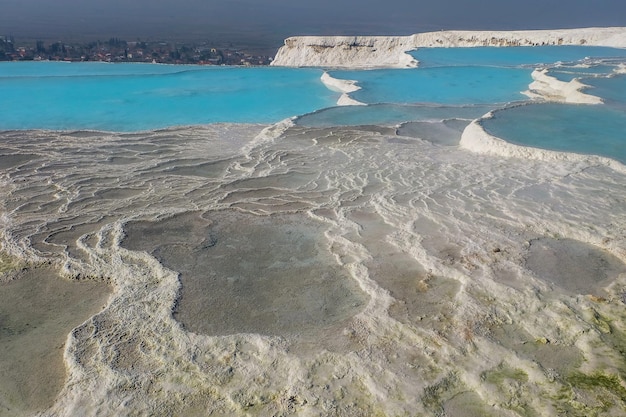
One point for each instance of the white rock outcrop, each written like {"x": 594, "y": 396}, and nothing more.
{"x": 345, "y": 87}
{"x": 346, "y": 52}
{"x": 390, "y": 51}
{"x": 550, "y": 89}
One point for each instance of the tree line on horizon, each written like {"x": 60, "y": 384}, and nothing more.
{"x": 120, "y": 50}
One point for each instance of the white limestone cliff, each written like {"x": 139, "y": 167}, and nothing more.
{"x": 346, "y": 51}
{"x": 390, "y": 51}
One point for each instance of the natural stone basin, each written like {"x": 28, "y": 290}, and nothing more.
{"x": 573, "y": 266}
{"x": 38, "y": 309}
{"x": 243, "y": 273}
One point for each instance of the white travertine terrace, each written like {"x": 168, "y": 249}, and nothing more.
{"x": 550, "y": 89}
{"x": 345, "y": 87}
{"x": 390, "y": 51}
{"x": 476, "y": 139}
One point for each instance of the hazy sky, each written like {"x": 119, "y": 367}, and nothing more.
{"x": 270, "y": 21}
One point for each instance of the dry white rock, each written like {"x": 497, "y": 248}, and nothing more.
{"x": 391, "y": 51}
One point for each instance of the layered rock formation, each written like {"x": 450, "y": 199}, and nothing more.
{"x": 346, "y": 51}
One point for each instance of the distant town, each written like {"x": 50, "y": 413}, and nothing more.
{"x": 119, "y": 50}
